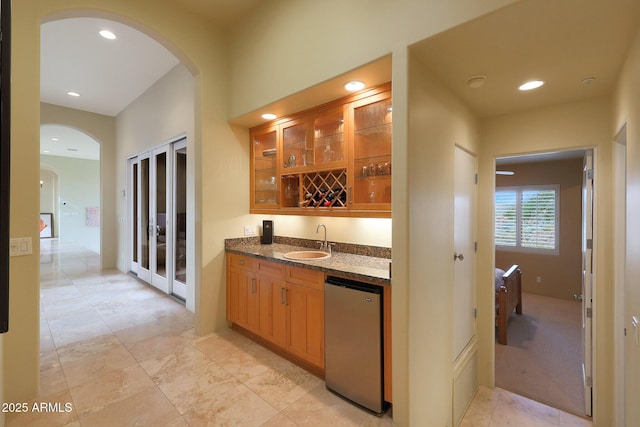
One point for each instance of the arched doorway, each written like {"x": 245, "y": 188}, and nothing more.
{"x": 70, "y": 184}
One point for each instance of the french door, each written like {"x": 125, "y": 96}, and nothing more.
{"x": 157, "y": 206}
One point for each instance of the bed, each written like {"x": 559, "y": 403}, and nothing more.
{"x": 508, "y": 298}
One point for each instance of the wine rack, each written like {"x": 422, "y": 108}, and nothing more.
{"x": 324, "y": 189}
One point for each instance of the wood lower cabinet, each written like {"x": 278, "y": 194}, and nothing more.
{"x": 287, "y": 314}
{"x": 305, "y": 318}
{"x": 272, "y": 310}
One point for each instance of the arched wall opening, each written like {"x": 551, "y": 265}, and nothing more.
{"x": 70, "y": 184}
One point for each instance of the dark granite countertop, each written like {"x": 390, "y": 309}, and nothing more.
{"x": 354, "y": 266}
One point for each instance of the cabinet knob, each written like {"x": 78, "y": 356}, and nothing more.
{"x": 241, "y": 262}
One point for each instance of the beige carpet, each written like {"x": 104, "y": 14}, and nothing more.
{"x": 543, "y": 358}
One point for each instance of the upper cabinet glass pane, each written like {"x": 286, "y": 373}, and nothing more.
{"x": 328, "y": 137}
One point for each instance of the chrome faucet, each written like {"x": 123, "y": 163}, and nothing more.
{"x": 324, "y": 246}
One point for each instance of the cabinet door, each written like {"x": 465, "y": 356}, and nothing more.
{"x": 329, "y": 146}
{"x": 238, "y": 287}
{"x": 372, "y": 143}
{"x": 264, "y": 168}
{"x": 305, "y": 320}
{"x": 272, "y": 310}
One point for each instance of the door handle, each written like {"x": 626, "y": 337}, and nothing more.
{"x": 457, "y": 256}
{"x": 578, "y": 297}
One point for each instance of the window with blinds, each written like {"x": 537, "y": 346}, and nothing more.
{"x": 527, "y": 218}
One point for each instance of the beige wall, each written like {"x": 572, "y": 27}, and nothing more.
{"x": 627, "y": 111}
{"x": 568, "y": 126}
{"x": 437, "y": 123}
{"x": 102, "y": 129}
{"x": 285, "y": 46}
{"x": 163, "y": 113}
{"x": 561, "y": 274}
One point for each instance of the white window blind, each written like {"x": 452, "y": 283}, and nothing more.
{"x": 527, "y": 218}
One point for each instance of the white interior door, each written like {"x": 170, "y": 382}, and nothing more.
{"x": 587, "y": 278}
{"x": 464, "y": 320}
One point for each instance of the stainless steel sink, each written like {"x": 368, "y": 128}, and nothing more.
{"x": 307, "y": 255}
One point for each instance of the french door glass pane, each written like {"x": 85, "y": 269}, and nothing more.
{"x": 161, "y": 214}
{"x": 181, "y": 216}
{"x": 135, "y": 213}
{"x": 144, "y": 213}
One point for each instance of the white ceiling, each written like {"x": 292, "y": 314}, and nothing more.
{"x": 64, "y": 141}
{"x": 108, "y": 74}
{"x": 561, "y": 42}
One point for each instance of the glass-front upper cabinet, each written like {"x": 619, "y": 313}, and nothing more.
{"x": 296, "y": 148}
{"x": 372, "y": 142}
{"x": 328, "y": 138}
{"x": 264, "y": 168}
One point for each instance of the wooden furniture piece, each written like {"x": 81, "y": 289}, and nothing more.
{"x": 331, "y": 160}
{"x": 508, "y": 298}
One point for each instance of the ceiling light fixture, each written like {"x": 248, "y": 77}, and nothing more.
{"x": 269, "y": 116}
{"x": 354, "y": 86}
{"x": 55, "y": 139}
{"x": 507, "y": 173}
{"x": 107, "y": 34}
{"x": 72, "y": 93}
{"x": 533, "y": 84}
{"x": 476, "y": 81}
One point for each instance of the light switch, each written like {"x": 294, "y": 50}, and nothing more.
{"x": 20, "y": 246}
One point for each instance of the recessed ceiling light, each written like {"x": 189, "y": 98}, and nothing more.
{"x": 533, "y": 84}
{"x": 476, "y": 81}
{"x": 45, "y": 151}
{"x": 269, "y": 116}
{"x": 72, "y": 93}
{"x": 72, "y": 149}
{"x": 354, "y": 86}
{"x": 107, "y": 34}
{"x": 55, "y": 139}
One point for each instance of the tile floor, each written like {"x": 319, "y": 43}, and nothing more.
{"x": 114, "y": 352}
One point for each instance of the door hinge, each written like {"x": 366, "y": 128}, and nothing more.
{"x": 589, "y": 313}
{"x": 475, "y": 246}
{"x": 475, "y": 313}
{"x": 589, "y": 243}
{"x": 476, "y": 179}
{"x": 589, "y": 173}
{"x": 588, "y": 381}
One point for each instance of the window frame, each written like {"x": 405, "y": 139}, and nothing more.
{"x": 518, "y": 245}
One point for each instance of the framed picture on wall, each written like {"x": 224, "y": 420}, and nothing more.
{"x": 46, "y": 225}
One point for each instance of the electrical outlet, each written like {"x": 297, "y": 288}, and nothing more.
{"x": 249, "y": 230}
{"x": 538, "y": 279}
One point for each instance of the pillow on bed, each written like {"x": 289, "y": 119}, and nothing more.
{"x": 499, "y": 281}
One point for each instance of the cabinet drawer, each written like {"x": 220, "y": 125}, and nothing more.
{"x": 302, "y": 276}
{"x": 240, "y": 261}
{"x": 268, "y": 268}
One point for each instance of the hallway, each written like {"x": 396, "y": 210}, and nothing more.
{"x": 115, "y": 352}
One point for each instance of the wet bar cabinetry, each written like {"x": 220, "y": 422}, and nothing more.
{"x": 331, "y": 160}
